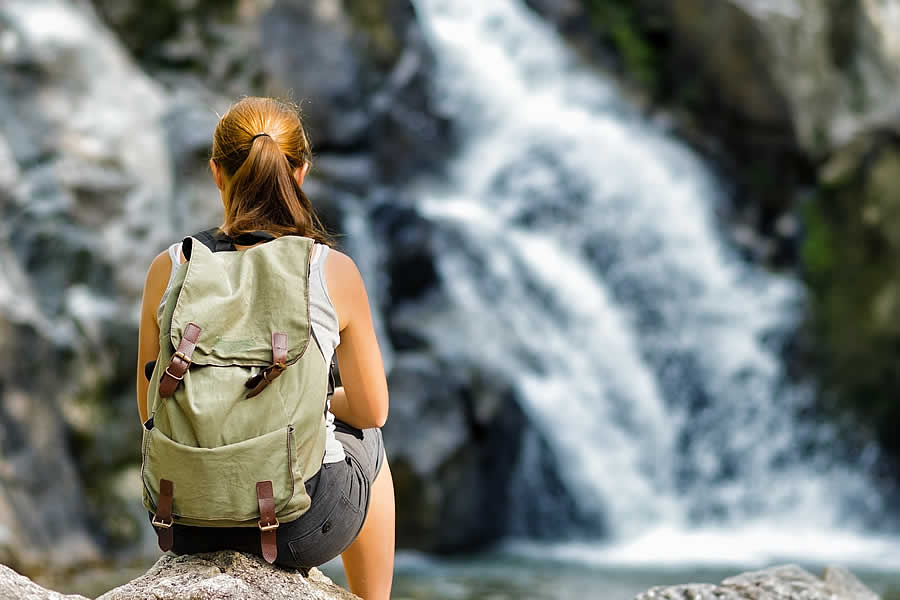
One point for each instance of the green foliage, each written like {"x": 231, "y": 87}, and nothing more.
{"x": 816, "y": 253}
{"x": 622, "y": 22}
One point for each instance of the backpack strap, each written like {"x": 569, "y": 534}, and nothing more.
{"x": 268, "y": 523}
{"x": 218, "y": 241}
{"x": 261, "y": 381}
{"x": 180, "y": 362}
{"x": 162, "y": 520}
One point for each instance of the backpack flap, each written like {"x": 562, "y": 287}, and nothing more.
{"x": 240, "y": 299}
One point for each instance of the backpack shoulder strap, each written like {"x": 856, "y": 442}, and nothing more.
{"x": 215, "y": 240}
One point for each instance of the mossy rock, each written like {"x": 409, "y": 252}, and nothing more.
{"x": 851, "y": 257}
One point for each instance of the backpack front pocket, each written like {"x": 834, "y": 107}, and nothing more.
{"x": 219, "y": 484}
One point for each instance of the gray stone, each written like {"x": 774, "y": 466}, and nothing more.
{"x": 13, "y": 585}
{"x": 786, "y": 582}
{"x": 226, "y": 576}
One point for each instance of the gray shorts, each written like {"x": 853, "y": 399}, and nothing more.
{"x": 340, "y": 502}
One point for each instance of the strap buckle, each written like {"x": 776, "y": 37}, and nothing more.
{"x": 270, "y": 526}
{"x": 161, "y": 524}
{"x": 184, "y": 357}
{"x": 273, "y": 371}
{"x": 173, "y": 375}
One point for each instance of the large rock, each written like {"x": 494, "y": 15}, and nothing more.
{"x": 359, "y": 69}
{"x": 787, "y": 582}
{"x": 851, "y": 258}
{"x": 13, "y": 585}
{"x": 214, "y": 576}
{"x": 86, "y": 171}
{"x": 826, "y": 70}
{"x": 226, "y": 576}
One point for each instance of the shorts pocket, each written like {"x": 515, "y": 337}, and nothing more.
{"x": 356, "y": 491}
{"x": 329, "y": 538}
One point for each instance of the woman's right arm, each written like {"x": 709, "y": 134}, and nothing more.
{"x": 148, "y": 333}
{"x": 363, "y": 401}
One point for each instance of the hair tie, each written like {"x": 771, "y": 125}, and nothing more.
{"x": 258, "y": 135}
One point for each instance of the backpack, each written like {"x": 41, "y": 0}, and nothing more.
{"x": 237, "y": 401}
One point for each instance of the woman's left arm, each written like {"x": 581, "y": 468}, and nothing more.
{"x": 148, "y": 334}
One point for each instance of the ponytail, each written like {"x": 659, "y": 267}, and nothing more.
{"x": 259, "y": 143}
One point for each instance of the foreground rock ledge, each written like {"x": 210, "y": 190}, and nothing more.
{"x": 226, "y": 576}
{"x": 788, "y": 582}
{"x": 236, "y": 576}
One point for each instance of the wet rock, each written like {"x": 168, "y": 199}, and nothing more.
{"x": 461, "y": 447}
{"x": 777, "y": 583}
{"x": 226, "y": 576}
{"x": 363, "y": 77}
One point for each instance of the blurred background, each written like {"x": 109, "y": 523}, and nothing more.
{"x": 635, "y": 269}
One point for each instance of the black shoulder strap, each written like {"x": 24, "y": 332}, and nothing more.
{"x": 207, "y": 238}
{"x": 215, "y": 240}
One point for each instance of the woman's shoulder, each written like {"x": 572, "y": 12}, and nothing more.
{"x": 345, "y": 286}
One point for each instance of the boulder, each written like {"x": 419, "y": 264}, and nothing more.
{"x": 13, "y": 585}
{"x": 226, "y": 576}
{"x": 824, "y": 70}
{"x": 787, "y": 582}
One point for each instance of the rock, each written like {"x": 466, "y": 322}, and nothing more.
{"x": 788, "y": 582}
{"x": 363, "y": 77}
{"x": 461, "y": 446}
{"x": 13, "y": 585}
{"x": 87, "y": 172}
{"x": 826, "y": 71}
{"x": 850, "y": 259}
{"x": 226, "y": 576}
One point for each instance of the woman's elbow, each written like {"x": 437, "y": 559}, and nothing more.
{"x": 381, "y": 417}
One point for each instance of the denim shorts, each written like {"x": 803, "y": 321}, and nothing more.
{"x": 340, "y": 501}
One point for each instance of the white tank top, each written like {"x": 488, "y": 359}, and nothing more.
{"x": 322, "y": 316}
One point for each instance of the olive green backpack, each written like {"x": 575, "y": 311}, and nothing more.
{"x": 237, "y": 396}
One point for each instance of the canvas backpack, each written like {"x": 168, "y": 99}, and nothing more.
{"x": 237, "y": 396}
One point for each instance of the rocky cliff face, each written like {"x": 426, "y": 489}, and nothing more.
{"x": 103, "y": 146}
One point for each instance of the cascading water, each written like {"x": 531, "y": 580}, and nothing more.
{"x": 591, "y": 273}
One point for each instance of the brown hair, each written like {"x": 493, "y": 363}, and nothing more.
{"x": 259, "y": 143}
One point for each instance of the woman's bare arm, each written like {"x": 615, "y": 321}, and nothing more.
{"x": 362, "y": 401}
{"x": 148, "y": 334}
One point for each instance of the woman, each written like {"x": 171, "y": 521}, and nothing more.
{"x": 260, "y": 158}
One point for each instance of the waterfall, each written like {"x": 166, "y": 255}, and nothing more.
{"x": 591, "y": 272}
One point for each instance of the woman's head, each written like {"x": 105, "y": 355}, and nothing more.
{"x": 260, "y": 156}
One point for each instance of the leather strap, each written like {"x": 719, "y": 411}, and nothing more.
{"x": 162, "y": 520}
{"x": 180, "y": 362}
{"x": 267, "y": 522}
{"x": 259, "y": 382}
